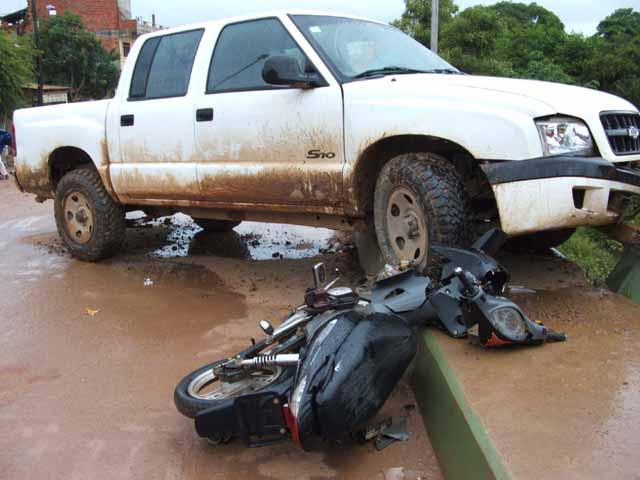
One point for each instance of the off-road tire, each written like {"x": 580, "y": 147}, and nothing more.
{"x": 439, "y": 191}
{"x": 109, "y": 217}
{"x": 539, "y": 242}
{"x": 212, "y": 226}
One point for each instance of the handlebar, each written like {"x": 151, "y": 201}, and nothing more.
{"x": 468, "y": 282}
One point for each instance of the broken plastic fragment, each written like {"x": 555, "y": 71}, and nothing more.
{"x": 91, "y": 312}
{"x": 396, "y": 432}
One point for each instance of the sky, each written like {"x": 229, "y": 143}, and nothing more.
{"x": 578, "y": 15}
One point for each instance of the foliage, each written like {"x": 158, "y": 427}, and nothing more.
{"x": 416, "y": 19}
{"x": 615, "y": 63}
{"x": 16, "y": 71}
{"x": 528, "y": 41}
{"x": 74, "y": 57}
{"x": 594, "y": 252}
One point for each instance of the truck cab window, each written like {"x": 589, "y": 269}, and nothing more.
{"x": 164, "y": 66}
{"x": 241, "y": 51}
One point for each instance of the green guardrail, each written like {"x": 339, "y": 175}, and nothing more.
{"x": 625, "y": 278}
{"x": 459, "y": 439}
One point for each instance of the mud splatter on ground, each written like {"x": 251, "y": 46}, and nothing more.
{"x": 179, "y": 236}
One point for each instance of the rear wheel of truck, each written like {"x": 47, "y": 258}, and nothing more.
{"x": 91, "y": 224}
{"x": 212, "y": 226}
{"x": 419, "y": 201}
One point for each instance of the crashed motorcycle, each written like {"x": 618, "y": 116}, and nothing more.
{"x": 333, "y": 362}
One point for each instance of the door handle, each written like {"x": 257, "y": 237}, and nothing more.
{"x": 126, "y": 121}
{"x": 204, "y": 115}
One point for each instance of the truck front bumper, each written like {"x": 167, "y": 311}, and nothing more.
{"x": 553, "y": 193}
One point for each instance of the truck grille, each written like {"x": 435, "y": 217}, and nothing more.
{"x": 623, "y": 132}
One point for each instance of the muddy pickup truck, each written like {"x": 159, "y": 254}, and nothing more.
{"x": 335, "y": 121}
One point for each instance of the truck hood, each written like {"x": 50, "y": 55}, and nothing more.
{"x": 535, "y": 97}
{"x": 466, "y": 108}
{"x": 562, "y": 98}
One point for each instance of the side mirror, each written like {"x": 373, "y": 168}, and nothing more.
{"x": 319, "y": 275}
{"x": 285, "y": 70}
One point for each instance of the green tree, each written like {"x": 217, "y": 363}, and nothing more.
{"x": 615, "y": 63}
{"x": 624, "y": 22}
{"x": 74, "y": 57}
{"x": 416, "y": 19}
{"x": 512, "y": 40}
{"x": 16, "y": 71}
{"x": 469, "y": 42}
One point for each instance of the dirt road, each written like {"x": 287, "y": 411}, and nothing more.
{"x": 90, "y": 353}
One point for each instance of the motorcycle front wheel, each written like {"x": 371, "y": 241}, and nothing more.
{"x": 202, "y": 389}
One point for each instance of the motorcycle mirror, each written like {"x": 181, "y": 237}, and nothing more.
{"x": 319, "y": 275}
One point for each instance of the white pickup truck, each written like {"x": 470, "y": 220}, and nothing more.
{"x": 318, "y": 119}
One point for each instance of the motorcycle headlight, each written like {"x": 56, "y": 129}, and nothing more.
{"x": 560, "y": 135}
{"x": 296, "y": 396}
{"x": 510, "y": 323}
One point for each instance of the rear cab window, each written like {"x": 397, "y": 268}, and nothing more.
{"x": 164, "y": 64}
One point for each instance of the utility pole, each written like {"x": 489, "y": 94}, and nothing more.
{"x": 435, "y": 21}
{"x": 36, "y": 39}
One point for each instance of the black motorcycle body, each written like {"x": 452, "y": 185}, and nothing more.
{"x": 348, "y": 370}
{"x": 335, "y": 360}
{"x": 494, "y": 321}
{"x": 257, "y": 419}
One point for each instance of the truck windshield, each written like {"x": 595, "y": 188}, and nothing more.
{"x": 358, "y": 49}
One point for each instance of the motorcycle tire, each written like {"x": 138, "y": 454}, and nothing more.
{"x": 190, "y": 405}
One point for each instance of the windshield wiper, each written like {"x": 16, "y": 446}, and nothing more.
{"x": 450, "y": 71}
{"x": 388, "y": 71}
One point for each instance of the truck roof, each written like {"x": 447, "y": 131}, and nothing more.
{"x": 255, "y": 16}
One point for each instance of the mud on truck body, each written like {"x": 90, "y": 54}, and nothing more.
{"x": 336, "y": 121}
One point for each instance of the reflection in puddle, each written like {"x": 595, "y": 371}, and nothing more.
{"x": 268, "y": 240}
{"x": 227, "y": 244}
{"x": 249, "y": 240}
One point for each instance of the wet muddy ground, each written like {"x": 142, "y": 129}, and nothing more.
{"x": 90, "y": 353}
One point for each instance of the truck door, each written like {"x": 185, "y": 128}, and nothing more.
{"x": 264, "y": 144}
{"x": 155, "y": 121}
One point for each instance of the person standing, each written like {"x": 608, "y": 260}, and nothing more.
{"x": 5, "y": 142}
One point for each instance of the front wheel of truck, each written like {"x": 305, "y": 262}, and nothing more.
{"x": 91, "y": 224}
{"x": 419, "y": 201}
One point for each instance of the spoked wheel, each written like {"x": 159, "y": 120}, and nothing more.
{"x": 406, "y": 226}
{"x": 202, "y": 389}
{"x": 207, "y": 386}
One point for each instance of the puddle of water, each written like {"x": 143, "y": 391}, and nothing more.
{"x": 267, "y": 240}
{"x": 249, "y": 240}
{"x": 174, "y": 276}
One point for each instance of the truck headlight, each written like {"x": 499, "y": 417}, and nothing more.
{"x": 560, "y": 135}
{"x": 509, "y": 323}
